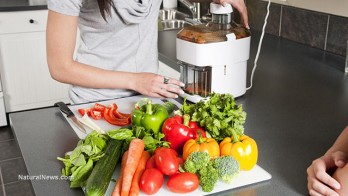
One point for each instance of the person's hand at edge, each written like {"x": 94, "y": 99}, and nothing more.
{"x": 240, "y": 6}
{"x": 319, "y": 181}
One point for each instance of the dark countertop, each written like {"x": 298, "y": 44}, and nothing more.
{"x": 295, "y": 110}
{"x": 22, "y": 5}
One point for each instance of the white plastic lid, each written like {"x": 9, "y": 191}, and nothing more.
{"x": 220, "y": 9}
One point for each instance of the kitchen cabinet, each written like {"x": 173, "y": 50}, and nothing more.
{"x": 25, "y": 77}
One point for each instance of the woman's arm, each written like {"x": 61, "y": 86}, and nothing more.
{"x": 60, "y": 44}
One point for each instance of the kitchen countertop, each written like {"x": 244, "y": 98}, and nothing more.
{"x": 295, "y": 110}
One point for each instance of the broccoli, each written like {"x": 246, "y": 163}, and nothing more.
{"x": 196, "y": 161}
{"x": 208, "y": 176}
{"x": 227, "y": 167}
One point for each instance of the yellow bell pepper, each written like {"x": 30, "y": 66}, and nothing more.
{"x": 242, "y": 148}
{"x": 208, "y": 145}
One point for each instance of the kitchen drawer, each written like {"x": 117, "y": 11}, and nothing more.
{"x": 23, "y": 21}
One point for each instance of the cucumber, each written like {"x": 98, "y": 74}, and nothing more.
{"x": 98, "y": 182}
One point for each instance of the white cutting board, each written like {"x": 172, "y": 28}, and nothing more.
{"x": 255, "y": 175}
{"x": 126, "y": 105}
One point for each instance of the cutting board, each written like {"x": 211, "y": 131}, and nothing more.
{"x": 255, "y": 175}
{"x": 126, "y": 105}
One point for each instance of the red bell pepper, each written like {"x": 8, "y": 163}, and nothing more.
{"x": 178, "y": 129}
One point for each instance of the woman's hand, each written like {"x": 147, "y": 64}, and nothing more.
{"x": 240, "y": 6}
{"x": 155, "y": 85}
{"x": 319, "y": 181}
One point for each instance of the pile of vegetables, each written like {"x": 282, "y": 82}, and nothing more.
{"x": 196, "y": 146}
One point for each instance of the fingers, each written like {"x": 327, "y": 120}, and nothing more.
{"x": 319, "y": 169}
{"x": 319, "y": 182}
{"x": 171, "y": 88}
{"x": 319, "y": 188}
{"x": 158, "y": 86}
{"x": 244, "y": 15}
{"x": 166, "y": 87}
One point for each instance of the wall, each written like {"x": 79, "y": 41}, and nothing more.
{"x": 335, "y": 7}
{"x": 320, "y": 30}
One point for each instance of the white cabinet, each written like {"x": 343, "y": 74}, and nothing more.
{"x": 26, "y": 81}
{"x": 165, "y": 70}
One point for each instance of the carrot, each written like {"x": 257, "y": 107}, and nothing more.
{"x": 134, "y": 190}
{"x": 136, "y": 148}
{"x": 117, "y": 188}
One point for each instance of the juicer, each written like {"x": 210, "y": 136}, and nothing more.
{"x": 213, "y": 56}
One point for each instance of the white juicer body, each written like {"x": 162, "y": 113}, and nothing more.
{"x": 227, "y": 59}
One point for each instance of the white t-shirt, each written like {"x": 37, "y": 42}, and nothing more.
{"x": 127, "y": 41}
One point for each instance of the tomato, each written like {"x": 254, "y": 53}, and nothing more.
{"x": 151, "y": 181}
{"x": 168, "y": 150}
{"x": 95, "y": 114}
{"x": 166, "y": 161}
{"x": 151, "y": 163}
{"x": 183, "y": 182}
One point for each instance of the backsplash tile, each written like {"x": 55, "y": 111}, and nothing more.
{"x": 337, "y": 35}
{"x": 257, "y": 11}
{"x": 319, "y": 30}
{"x": 304, "y": 26}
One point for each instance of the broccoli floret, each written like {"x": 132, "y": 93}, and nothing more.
{"x": 195, "y": 161}
{"x": 227, "y": 167}
{"x": 208, "y": 176}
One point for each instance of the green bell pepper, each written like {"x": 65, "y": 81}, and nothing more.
{"x": 150, "y": 116}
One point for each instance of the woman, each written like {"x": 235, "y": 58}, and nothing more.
{"x": 320, "y": 182}
{"x": 117, "y": 54}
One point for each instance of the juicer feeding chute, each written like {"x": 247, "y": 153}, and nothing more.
{"x": 213, "y": 56}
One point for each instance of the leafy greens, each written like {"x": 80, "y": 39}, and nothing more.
{"x": 220, "y": 115}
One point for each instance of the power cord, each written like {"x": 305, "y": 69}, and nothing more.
{"x": 259, "y": 47}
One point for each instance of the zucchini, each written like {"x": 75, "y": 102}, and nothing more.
{"x": 98, "y": 182}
